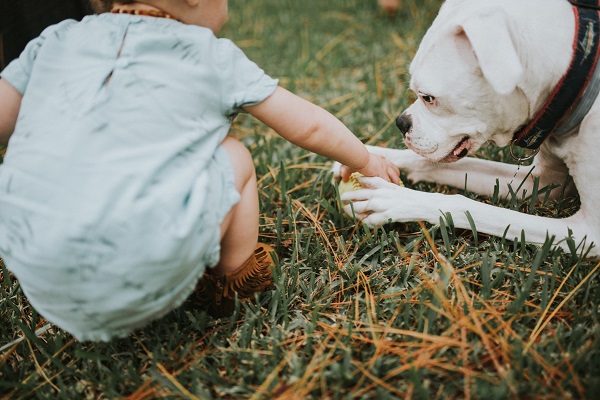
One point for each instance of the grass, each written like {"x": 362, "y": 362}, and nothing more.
{"x": 405, "y": 311}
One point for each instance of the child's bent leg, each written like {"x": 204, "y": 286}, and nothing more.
{"x": 239, "y": 229}
{"x": 245, "y": 266}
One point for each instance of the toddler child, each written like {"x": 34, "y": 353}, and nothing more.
{"x": 120, "y": 185}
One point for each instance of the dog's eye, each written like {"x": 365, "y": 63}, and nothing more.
{"x": 427, "y": 99}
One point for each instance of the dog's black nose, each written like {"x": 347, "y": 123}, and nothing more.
{"x": 404, "y": 123}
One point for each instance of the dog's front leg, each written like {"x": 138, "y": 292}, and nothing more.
{"x": 383, "y": 202}
{"x": 480, "y": 176}
{"x": 476, "y": 175}
{"x": 473, "y": 174}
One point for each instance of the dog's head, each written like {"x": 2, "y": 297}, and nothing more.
{"x": 466, "y": 74}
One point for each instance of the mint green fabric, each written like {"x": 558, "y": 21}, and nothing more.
{"x": 114, "y": 183}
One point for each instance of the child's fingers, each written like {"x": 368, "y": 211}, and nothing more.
{"x": 393, "y": 174}
{"x": 390, "y": 172}
{"x": 378, "y": 166}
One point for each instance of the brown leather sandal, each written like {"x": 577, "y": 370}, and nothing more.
{"x": 217, "y": 294}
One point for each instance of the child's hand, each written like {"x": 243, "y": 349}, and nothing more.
{"x": 377, "y": 166}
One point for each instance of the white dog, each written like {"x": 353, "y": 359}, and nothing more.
{"x": 485, "y": 70}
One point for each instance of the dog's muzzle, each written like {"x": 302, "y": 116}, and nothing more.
{"x": 404, "y": 123}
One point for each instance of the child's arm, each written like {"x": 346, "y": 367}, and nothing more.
{"x": 10, "y": 103}
{"x": 312, "y": 128}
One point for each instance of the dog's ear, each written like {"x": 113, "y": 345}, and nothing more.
{"x": 490, "y": 38}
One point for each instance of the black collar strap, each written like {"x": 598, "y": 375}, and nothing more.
{"x": 574, "y": 95}
{"x": 593, "y": 4}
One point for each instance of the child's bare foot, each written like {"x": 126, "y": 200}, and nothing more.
{"x": 217, "y": 293}
{"x": 390, "y": 6}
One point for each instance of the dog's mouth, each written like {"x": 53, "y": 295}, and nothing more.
{"x": 461, "y": 150}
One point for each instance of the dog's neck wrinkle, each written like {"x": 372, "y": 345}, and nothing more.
{"x": 535, "y": 98}
{"x": 528, "y": 101}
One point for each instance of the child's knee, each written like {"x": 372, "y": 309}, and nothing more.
{"x": 241, "y": 161}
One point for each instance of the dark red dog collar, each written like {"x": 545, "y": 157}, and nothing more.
{"x": 565, "y": 109}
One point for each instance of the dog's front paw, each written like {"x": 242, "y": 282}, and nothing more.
{"x": 371, "y": 205}
{"x": 383, "y": 202}
{"x": 371, "y": 209}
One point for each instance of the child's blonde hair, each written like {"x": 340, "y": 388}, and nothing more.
{"x": 100, "y": 6}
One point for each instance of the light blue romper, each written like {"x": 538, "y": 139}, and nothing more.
{"x": 115, "y": 184}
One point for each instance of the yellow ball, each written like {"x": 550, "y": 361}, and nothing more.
{"x": 351, "y": 184}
